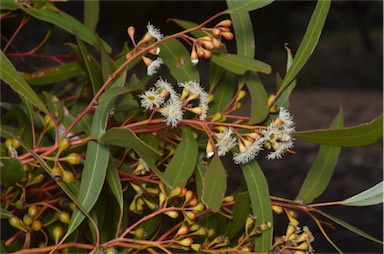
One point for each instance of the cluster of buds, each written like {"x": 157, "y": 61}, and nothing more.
{"x": 165, "y": 100}
{"x": 202, "y": 46}
{"x": 152, "y": 33}
{"x": 276, "y": 137}
{"x": 145, "y": 196}
{"x": 296, "y": 240}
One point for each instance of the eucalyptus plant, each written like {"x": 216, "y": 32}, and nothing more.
{"x": 96, "y": 157}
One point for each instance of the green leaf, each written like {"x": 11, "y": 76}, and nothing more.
{"x": 283, "y": 100}
{"x": 54, "y": 74}
{"x": 95, "y": 167}
{"x": 242, "y": 26}
{"x": 199, "y": 178}
{"x": 215, "y": 184}
{"x": 181, "y": 167}
{"x": 10, "y": 76}
{"x": 114, "y": 92}
{"x": 49, "y": 13}
{"x": 187, "y": 25}
{"x": 261, "y": 204}
{"x": 91, "y": 14}
{"x": 240, "y": 214}
{"x": 223, "y": 94}
{"x": 4, "y": 214}
{"x": 11, "y": 171}
{"x": 8, "y": 5}
{"x": 178, "y": 60}
{"x": 359, "y": 135}
{"x": 240, "y": 64}
{"x": 372, "y": 196}
{"x": 309, "y": 42}
{"x": 215, "y": 75}
{"x": 349, "y": 226}
{"x": 252, "y": 5}
{"x": 92, "y": 67}
{"x": 115, "y": 183}
{"x": 322, "y": 168}
{"x": 259, "y": 99}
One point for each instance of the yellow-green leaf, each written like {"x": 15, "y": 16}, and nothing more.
{"x": 11, "y": 171}
{"x": 248, "y": 5}
{"x": 372, "y": 196}
{"x": 240, "y": 64}
{"x": 91, "y": 14}
{"x": 259, "y": 97}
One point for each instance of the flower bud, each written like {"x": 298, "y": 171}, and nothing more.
{"x": 131, "y": 32}
{"x": 72, "y": 206}
{"x": 207, "y": 54}
{"x": 302, "y": 246}
{"x": 15, "y": 222}
{"x": 57, "y": 233}
{"x": 194, "y": 57}
{"x": 182, "y": 230}
{"x": 200, "y": 52}
{"x": 64, "y": 144}
{"x": 199, "y": 208}
{"x": 217, "y": 117}
{"x": 193, "y": 202}
{"x": 64, "y": 217}
{"x": 67, "y": 176}
{"x": 172, "y": 214}
{"x": 36, "y": 179}
{"x": 27, "y": 219}
{"x": 228, "y": 35}
{"x": 196, "y": 247}
{"x": 249, "y": 222}
{"x": 190, "y": 215}
{"x": 277, "y": 209}
{"x": 36, "y": 225}
{"x": 111, "y": 250}
{"x": 176, "y": 192}
{"x": 161, "y": 199}
{"x": 188, "y": 196}
{"x": 265, "y": 226}
{"x": 32, "y": 210}
{"x": 216, "y": 32}
{"x": 48, "y": 122}
{"x": 20, "y": 204}
{"x": 241, "y": 94}
{"x": 72, "y": 158}
{"x": 152, "y": 205}
{"x": 56, "y": 173}
{"x": 216, "y": 43}
{"x": 12, "y": 142}
{"x": 291, "y": 229}
{"x": 228, "y": 199}
{"x": 186, "y": 242}
{"x": 211, "y": 232}
{"x": 146, "y": 60}
{"x": 224, "y": 23}
{"x": 140, "y": 233}
{"x": 194, "y": 227}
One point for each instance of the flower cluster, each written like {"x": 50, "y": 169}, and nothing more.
{"x": 276, "y": 137}
{"x": 164, "y": 99}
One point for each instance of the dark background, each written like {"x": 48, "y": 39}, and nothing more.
{"x": 344, "y": 70}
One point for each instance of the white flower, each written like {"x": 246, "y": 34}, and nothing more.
{"x": 280, "y": 150}
{"x": 225, "y": 142}
{"x": 250, "y": 152}
{"x": 278, "y": 139}
{"x": 151, "y": 99}
{"x": 195, "y": 90}
{"x": 154, "y": 32}
{"x": 287, "y": 119}
{"x": 166, "y": 89}
{"x": 172, "y": 112}
{"x": 204, "y": 110}
{"x": 152, "y": 68}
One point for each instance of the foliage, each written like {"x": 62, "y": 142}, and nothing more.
{"x": 96, "y": 158}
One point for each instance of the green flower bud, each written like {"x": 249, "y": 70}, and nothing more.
{"x": 172, "y": 214}
{"x": 36, "y": 179}
{"x": 15, "y": 222}
{"x": 64, "y": 144}
{"x": 27, "y": 219}
{"x": 111, "y": 250}
{"x": 72, "y": 158}
{"x": 186, "y": 242}
{"x": 48, "y": 123}
{"x": 196, "y": 247}
{"x": 36, "y": 225}
{"x": 161, "y": 198}
{"x": 57, "y": 233}
{"x": 21, "y": 204}
{"x": 64, "y": 217}
{"x": 183, "y": 230}
{"x": 176, "y": 192}
{"x": 67, "y": 176}
{"x": 72, "y": 206}
{"x": 199, "y": 208}
{"x": 32, "y": 210}
{"x": 140, "y": 233}
{"x": 56, "y": 173}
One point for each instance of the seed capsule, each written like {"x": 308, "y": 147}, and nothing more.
{"x": 27, "y": 219}
{"x": 56, "y": 173}
{"x": 67, "y": 176}
{"x": 64, "y": 217}
{"x": 36, "y": 225}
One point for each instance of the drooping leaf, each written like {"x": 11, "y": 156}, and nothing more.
{"x": 10, "y": 76}
{"x": 240, "y": 6}
{"x": 240, "y": 64}
{"x": 215, "y": 184}
{"x": 49, "y": 13}
{"x": 11, "y": 171}
{"x": 349, "y": 226}
{"x": 54, "y": 74}
{"x": 261, "y": 204}
{"x": 4, "y": 214}
{"x": 322, "y": 168}
{"x": 372, "y": 196}
{"x": 359, "y": 135}
{"x": 181, "y": 167}
{"x": 223, "y": 93}
{"x": 309, "y": 41}
{"x": 240, "y": 213}
{"x": 91, "y": 14}
{"x": 178, "y": 60}
{"x": 115, "y": 183}
{"x": 199, "y": 178}
{"x": 242, "y": 26}
{"x": 95, "y": 167}
{"x": 259, "y": 98}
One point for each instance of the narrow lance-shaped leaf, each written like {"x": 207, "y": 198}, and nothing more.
{"x": 240, "y": 214}
{"x": 259, "y": 98}
{"x": 10, "y": 76}
{"x": 240, "y": 6}
{"x": 178, "y": 60}
{"x": 95, "y": 167}
{"x": 322, "y": 168}
{"x": 215, "y": 184}
{"x": 309, "y": 41}
{"x": 261, "y": 204}
{"x": 359, "y": 135}
{"x": 49, "y": 13}
{"x": 4, "y": 214}
{"x": 91, "y": 14}
{"x": 181, "y": 167}
{"x": 240, "y": 64}
{"x": 372, "y": 196}
{"x": 187, "y": 25}
{"x": 115, "y": 183}
{"x": 223, "y": 93}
